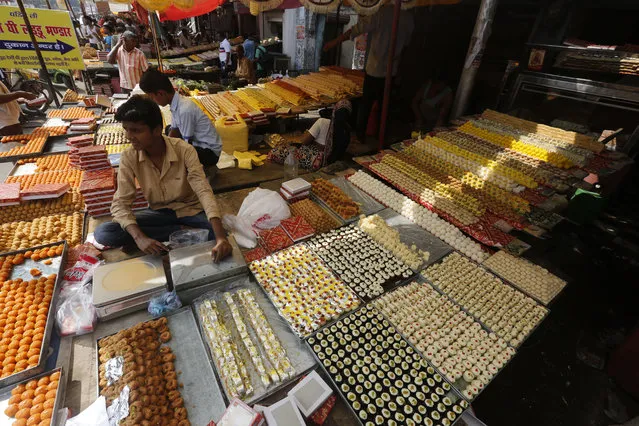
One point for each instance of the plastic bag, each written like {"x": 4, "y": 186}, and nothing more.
{"x": 261, "y": 209}
{"x": 166, "y": 302}
{"x": 188, "y": 237}
{"x": 75, "y": 314}
{"x": 291, "y": 164}
{"x": 81, "y": 272}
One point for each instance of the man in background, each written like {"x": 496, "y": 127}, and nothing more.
{"x": 249, "y": 48}
{"x": 225, "y": 53}
{"x": 131, "y": 61}
{"x": 378, "y": 27}
{"x": 189, "y": 122}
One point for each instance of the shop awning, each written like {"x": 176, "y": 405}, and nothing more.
{"x": 172, "y": 13}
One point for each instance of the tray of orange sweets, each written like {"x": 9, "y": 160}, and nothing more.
{"x": 344, "y": 199}
{"x": 35, "y": 401}
{"x": 29, "y": 287}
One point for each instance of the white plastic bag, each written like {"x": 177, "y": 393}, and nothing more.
{"x": 261, "y": 209}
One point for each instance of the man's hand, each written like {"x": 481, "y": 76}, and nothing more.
{"x": 221, "y": 250}
{"x": 26, "y": 95}
{"x": 150, "y": 246}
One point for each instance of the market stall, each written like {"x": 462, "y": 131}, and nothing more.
{"x": 397, "y": 282}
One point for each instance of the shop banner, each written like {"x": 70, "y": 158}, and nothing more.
{"x": 53, "y": 31}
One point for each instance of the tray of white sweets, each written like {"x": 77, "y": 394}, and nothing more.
{"x": 254, "y": 351}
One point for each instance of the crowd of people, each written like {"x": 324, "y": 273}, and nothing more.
{"x": 106, "y": 33}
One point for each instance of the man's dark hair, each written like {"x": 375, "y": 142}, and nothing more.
{"x": 153, "y": 81}
{"x": 140, "y": 109}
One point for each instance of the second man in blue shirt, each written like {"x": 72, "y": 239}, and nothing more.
{"x": 188, "y": 121}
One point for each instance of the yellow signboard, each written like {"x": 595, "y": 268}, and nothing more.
{"x": 53, "y": 31}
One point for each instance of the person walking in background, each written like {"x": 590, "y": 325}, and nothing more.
{"x": 131, "y": 61}
{"x": 108, "y": 36}
{"x": 225, "y": 53}
{"x": 244, "y": 68}
{"x": 91, "y": 32}
{"x": 262, "y": 59}
{"x": 249, "y": 48}
{"x": 378, "y": 27}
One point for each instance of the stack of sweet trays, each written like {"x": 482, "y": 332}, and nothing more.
{"x": 80, "y": 141}
{"x": 295, "y": 190}
{"x": 9, "y": 194}
{"x": 98, "y": 188}
{"x": 44, "y": 191}
{"x": 89, "y": 158}
{"x": 87, "y": 124}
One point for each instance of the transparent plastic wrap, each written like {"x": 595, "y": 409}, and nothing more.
{"x": 256, "y": 378}
{"x": 201, "y": 393}
{"x": 366, "y": 203}
{"x": 413, "y": 234}
{"x": 75, "y": 314}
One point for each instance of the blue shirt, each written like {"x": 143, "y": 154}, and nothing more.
{"x": 196, "y": 128}
{"x": 249, "y": 48}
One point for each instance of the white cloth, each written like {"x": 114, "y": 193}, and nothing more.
{"x": 379, "y": 27}
{"x": 319, "y": 130}
{"x": 10, "y": 111}
{"x": 225, "y": 51}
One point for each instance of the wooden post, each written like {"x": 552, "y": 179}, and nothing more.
{"x": 153, "y": 18}
{"x": 38, "y": 53}
{"x": 389, "y": 73}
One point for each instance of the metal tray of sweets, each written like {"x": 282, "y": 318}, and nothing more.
{"x": 192, "y": 266}
{"x": 202, "y": 395}
{"x": 22, "y": 271}
{"x": 412, "y": 234}
{"x": 452, "y": 393}
{"x": 516, "y": 287}
{"x": 421, "y": 278}
{"x": 367, "y": 204}
{"x": 7, "y": 146}
{"x": 299, "y": 356}
{"x": 5, "y": 395}
{"x": 332, "y": 320}
{"x": 460, "y": 383}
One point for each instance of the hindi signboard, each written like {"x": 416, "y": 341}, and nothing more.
{"x": 53, "y": 31}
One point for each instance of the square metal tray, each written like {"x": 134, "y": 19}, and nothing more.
{"x": 193, "y": 266}
{"x": 297, "y": 352}
{"x": 202, "y": 395}
{"x": 22, "y": 271}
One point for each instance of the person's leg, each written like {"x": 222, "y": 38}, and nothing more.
{"x": 365, "y": 106}
{"x": 341, "y": 135}
{"x": 111, "y": 234}
{"x": 199, "y": 221}
{"x": 206, "y": 156}
{"x": 156, "y": 224}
